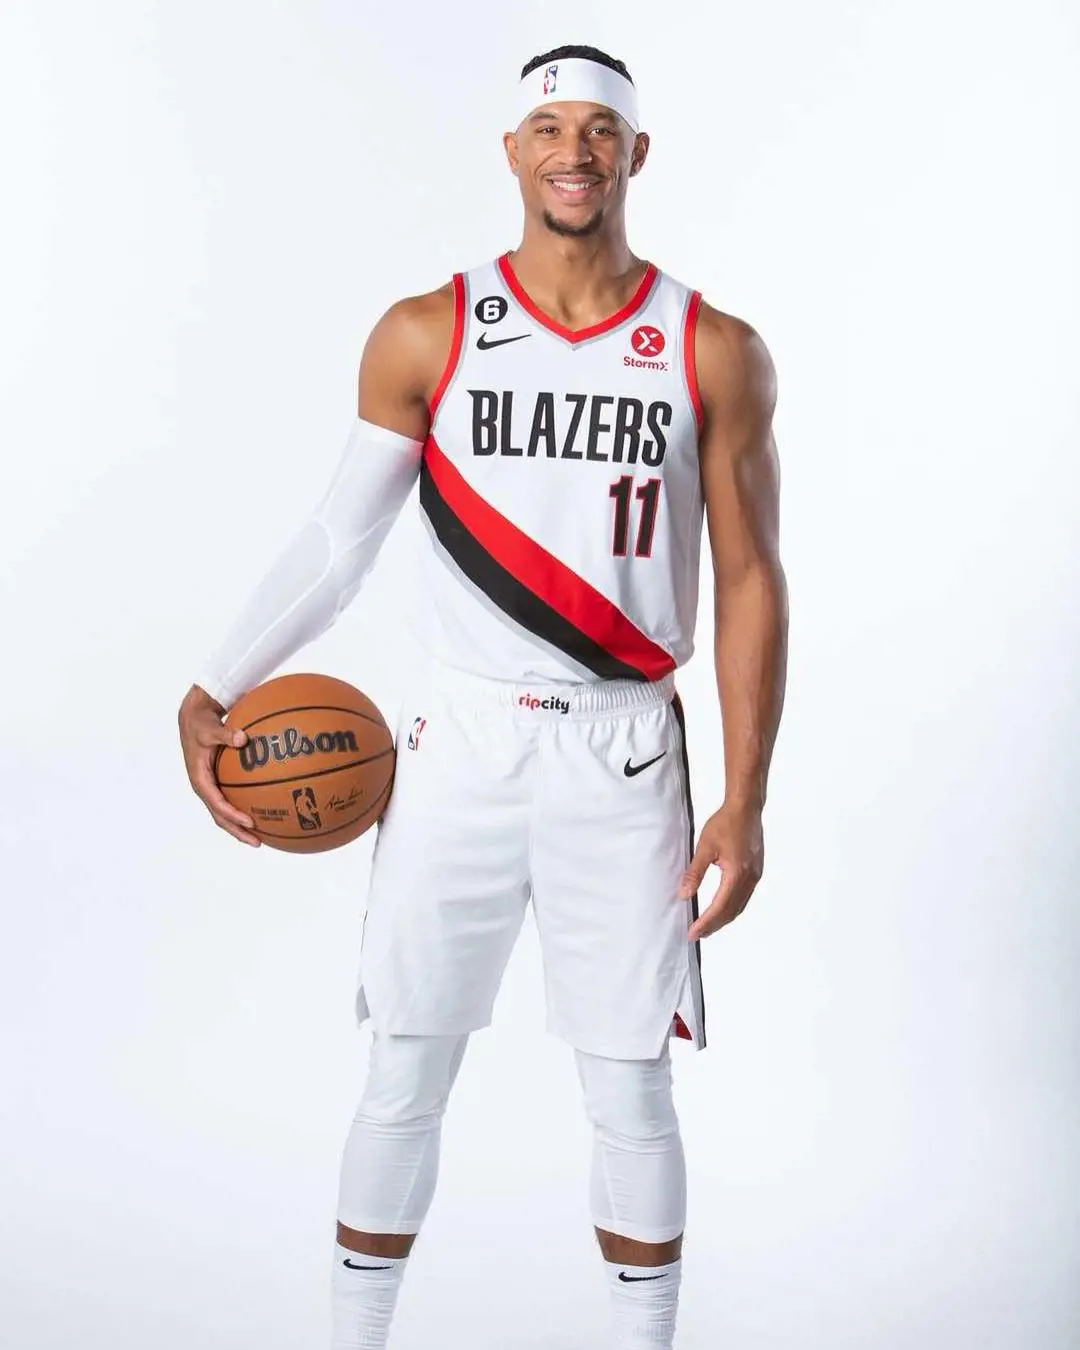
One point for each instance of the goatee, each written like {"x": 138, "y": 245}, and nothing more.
{"x": 578, "y": 231}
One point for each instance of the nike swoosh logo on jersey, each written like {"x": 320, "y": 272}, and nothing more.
{"x": 636, "y": 1279}
{"x": 630, "y": 770}
{"x": 485, "y": 343}
{"x": 353, "y": 1266}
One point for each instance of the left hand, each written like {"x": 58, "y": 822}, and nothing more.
{"x": 732, "y": 840}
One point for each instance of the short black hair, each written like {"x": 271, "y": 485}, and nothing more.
{"x": 582, "y": 53}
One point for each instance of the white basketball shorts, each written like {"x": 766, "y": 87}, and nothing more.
{"x": 574, "y": 797}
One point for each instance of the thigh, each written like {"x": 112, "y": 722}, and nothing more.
{"x": 449, "y": 882}
{"x": 609, "y": 849}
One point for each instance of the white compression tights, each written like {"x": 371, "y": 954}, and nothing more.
{"x": 637, "y": 1185}
{"x": 391, "y": 1157}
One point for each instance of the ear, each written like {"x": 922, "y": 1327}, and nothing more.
{"x": 639, "y": 153}
{"x": 510, "y": 146}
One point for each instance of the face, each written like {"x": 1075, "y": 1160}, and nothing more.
{"x": 573, "y": 162}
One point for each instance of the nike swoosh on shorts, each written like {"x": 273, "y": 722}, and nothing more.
{"x": 631, "y": 770}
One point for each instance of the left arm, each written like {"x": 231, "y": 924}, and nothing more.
{"x": 740, "y": 479}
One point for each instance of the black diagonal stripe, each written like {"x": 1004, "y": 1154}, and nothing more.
{"x": 511, "y": 595}
{"x": 676, "y": 703}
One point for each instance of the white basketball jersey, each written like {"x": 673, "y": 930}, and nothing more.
{"x": 560, "y": 488}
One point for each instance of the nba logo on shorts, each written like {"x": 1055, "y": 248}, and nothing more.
{"x": 414, "y": 735}
{"x": 549, "y": 79}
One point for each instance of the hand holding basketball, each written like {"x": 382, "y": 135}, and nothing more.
{"x": 202, "y": 732}
{"x": 316, "y": 766}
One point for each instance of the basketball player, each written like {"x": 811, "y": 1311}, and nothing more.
{"x": 571, "y": 413}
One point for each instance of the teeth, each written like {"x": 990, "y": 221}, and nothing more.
{"x": 571, "y": 187}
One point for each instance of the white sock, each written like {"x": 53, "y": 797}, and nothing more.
{"x": 364, "y": 1291}
{"x": 644, "y": 1300}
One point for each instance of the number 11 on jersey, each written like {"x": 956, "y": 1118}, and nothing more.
{"x": 648, "y": 493}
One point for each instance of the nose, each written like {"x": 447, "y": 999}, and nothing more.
{"x": 578, "y": 150}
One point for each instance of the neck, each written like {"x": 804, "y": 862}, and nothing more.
{"x": 572, "y": 271}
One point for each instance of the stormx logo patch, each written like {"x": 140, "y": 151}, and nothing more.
{"x": 560, "y": 705}
{"x": 648, "y": 343}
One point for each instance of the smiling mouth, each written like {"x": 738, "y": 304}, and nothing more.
{"x": 573, "y": 189}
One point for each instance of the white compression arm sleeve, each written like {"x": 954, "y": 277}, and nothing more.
{"x": 323, "y": 564}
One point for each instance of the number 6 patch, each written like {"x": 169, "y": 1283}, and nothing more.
{"x": 492, "y": 309}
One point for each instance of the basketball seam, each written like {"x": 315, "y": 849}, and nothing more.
{"x": 314, "y": 773}
{"x": 317, "y": 707}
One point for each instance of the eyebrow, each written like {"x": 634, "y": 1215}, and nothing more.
{"x": 601, "y": 115}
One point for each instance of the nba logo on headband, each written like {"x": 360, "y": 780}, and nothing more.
{"x": 549, "y": 79}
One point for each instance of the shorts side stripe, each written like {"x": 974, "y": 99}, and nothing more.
{"x": 695, "y": 964}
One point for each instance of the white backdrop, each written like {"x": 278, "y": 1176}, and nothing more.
{"x": 206, "y": 207}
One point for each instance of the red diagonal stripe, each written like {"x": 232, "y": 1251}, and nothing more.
{"x": 568, "y": 594}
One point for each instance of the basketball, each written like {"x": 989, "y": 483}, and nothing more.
{"x": 317, "y": 767}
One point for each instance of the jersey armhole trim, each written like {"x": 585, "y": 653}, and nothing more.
{"x": 689, "y": 363}
{"x": 455, "y": 347}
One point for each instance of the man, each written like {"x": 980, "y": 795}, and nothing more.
{"x": 571, "y": 412}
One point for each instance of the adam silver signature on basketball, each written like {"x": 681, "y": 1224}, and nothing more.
{"x": 573, "y": 416}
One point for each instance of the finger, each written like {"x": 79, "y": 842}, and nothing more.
{"x": 211, "y": 732}
{"x": 229, "y": 825}
{"x": 699, "y": 864}
{"x": 245, "y": 836}
{"x": 706, "y": 924}
{"x": 217, "y": 803}
{"x": 730, "y": 900}
{"x": 718, "y": 913}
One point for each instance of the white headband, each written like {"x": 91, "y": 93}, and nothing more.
{"x": 577, "y": 80}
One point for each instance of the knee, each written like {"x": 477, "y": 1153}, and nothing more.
{"x": 630, "y": 1099}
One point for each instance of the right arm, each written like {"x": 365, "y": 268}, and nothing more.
{"x": 323, "y": 564}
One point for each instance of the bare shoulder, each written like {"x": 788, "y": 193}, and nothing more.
{"x": 736, "y": 374}
{"x": 403, "y": 360}
{"x": 421, "y": 324}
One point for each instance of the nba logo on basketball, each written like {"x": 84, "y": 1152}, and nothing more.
{"x": 549, "y": 79}
{"x": 414, "y": 735}
{"x": 306, "y": 813}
